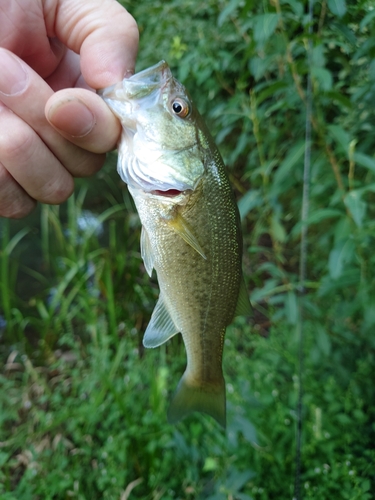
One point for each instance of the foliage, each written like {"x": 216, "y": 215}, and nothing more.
{"x": 82, "y": 406}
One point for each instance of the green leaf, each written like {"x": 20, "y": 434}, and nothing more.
{"x": 210, "y": 464}
{"x": 366, "y": 485}
{"x": 296, "y": 5}
{"x": 323, "y": 340}
{"x": 270, "y": 91}
{"x": 317, "y": 56}
{"x": 317, "y": 216}
{"x": 341, "y": 137}
{"x": 356, "y": 206}
{"x": 340, "y": 98}
{"x": 293, "y": 157}
{"x": 340, "y": 255}
{"x": 347, "y": 32}
{"x": 264, "y": 26}
{"x": 291, "y": 307}
{"x": 3, "y": 458}
{"x": 277, "y": 230}
{"x": 367, "y": 19}
{"x": 366, "y": 189}
{"x": 250, "y": 200}
{"x": 227, "y": 11}
{"x": 243, "y": 496}
{"x": 364, "y": 160}
{"x": 238, "y": 479}
{"x": 322, "y": 214}
{"x": 337, "y": 7}
{"x": 258, "y": 66}
{"x": 259, "y": 294}
{"x": 244, "y": 425}
{"x": 323, "y": 77}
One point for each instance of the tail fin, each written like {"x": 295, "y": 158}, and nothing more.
{"x": 207, "y": 398}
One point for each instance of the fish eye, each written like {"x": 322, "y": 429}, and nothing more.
{"x": 180, "y": 107}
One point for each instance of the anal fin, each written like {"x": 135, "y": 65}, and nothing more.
{"x": 161, "y": 327}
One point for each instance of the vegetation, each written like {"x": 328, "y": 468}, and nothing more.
{"x": 83, "y": 406}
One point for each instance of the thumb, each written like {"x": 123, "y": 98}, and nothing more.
{"x": 101, "y": 31}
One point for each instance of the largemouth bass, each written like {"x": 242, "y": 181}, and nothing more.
{"x": 190, "y": 229}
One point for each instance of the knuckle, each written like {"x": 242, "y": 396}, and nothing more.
{"x": 14, "y": 202}
{"x": 90, "y": 165}
{"x": 57, "y": 192}
{"x": 17, "y": 209}
{"x": 16, "y": 146}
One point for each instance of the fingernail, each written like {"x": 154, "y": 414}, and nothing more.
{"x": 13, "y": 76}
{"x": 128, "y": 73}
{"x": 72, "y": 117}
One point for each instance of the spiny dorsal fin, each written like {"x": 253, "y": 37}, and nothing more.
{"x": 161, "y": 327}
{"x": 182, "y": 228}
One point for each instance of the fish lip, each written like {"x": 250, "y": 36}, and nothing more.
{"x": 169, "y": 196}
{"x": 146, "y": 82}
{"x": 153, "y": 78}
{"x": 169, "y": 193}
{"x": 155, "y": 75}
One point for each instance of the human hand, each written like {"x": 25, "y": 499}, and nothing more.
{"x": 53, "y": 127}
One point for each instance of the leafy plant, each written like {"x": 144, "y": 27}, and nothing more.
{"x": 82, "y": 405}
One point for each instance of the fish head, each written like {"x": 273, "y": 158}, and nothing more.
{"x": 161, "y": 150}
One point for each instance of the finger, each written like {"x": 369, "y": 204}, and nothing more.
{"x": 30, "y": 163}
{"x": 84, "y": 119}
{"x": 23, "y": 32}
{"x": 67, "y": 74}
{"x": 102, "y": 32}
{"x": 25, "y": 93}
{"x": 14, "y": 201}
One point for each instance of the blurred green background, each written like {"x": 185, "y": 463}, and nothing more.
{"x": 83, "y": 405}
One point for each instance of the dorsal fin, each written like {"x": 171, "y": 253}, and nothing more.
{"x": 243, "y": 307}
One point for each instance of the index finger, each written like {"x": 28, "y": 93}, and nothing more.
{"x": 101, "y": 31}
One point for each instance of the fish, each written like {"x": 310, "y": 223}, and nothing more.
{"x": 191, "y": 232}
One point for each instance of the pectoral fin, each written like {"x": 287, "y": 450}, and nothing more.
{"x": 161, "y": 327}
{"x": 146, "y": 252}
{"x": 243, "y": 307}
{"x": 182, "y": 228}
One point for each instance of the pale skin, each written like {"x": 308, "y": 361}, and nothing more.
{"x": 53, "y": 127}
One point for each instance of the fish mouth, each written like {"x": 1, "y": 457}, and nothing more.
{"x": 169, "y": 193}
{"x": 154, "y": 76}
{"x": 146, "y": 82}
{"x": 139, "y": 85}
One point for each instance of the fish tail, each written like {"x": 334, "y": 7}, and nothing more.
{"x": 206, "y": 398}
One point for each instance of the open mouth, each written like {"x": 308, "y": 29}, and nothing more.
{"x": 170, "y": 193}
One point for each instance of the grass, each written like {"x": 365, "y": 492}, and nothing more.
{"x": 92, "y": 420}
{"x": 83, "y": 405}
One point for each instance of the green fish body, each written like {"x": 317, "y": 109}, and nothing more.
{"x": 191, "y": 230}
